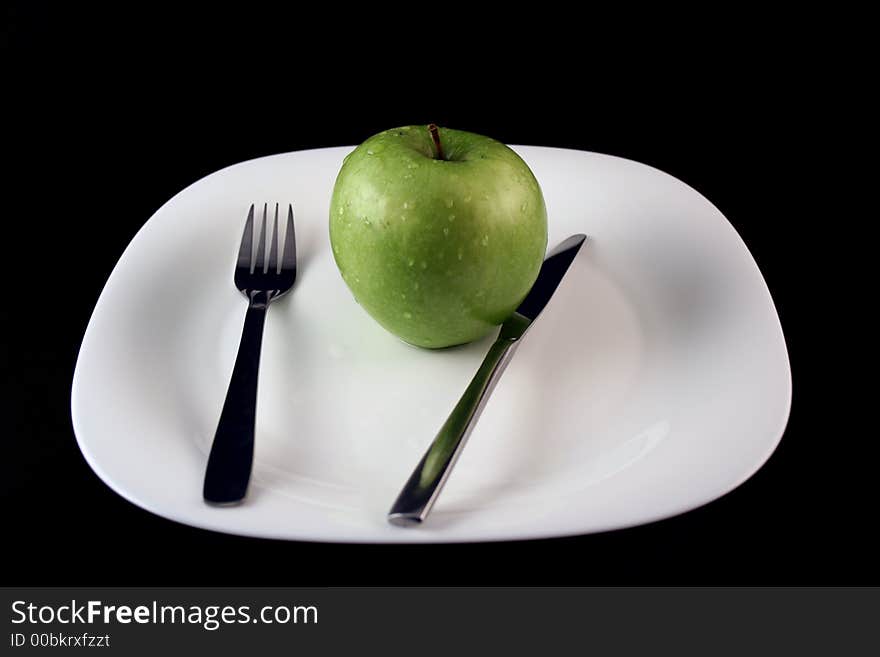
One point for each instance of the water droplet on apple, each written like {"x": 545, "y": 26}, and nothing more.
{"x": 424, "y": 265}
{"x": 369, "y": 152}
{"x": 403, "y": 217}
{"x": 524, "y": 207}
{"x": 452, "y": 217}
{"x": 402, "y": 295}
{"x": 446, "y": 231}
{"x": 416, "y": 286}
{"x": 412, "y": 165}
{"x": 408, "y": 315}
{"x": 449, "y": 203}
{"x": 411, "y": 262}
{"x": 467, "y": 199}
{"x": 460, "y": 254}
{"x": 485, "y": 240}
{"x": 405, "y": 205}
{"x": 367, "y": 221}
{"x": 341, "y": 211}
{"x": 407, "y": 176}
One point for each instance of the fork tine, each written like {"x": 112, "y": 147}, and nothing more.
{"x": 260, "y": 260}
{"x": 245, "y": 251}
{"x": 288, "y": 261}
{"x": 273, "y": 249}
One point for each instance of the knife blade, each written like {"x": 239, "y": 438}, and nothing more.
{"x": 421, "y": 490}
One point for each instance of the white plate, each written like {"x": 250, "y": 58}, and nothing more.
{"x": 655, "y": 381}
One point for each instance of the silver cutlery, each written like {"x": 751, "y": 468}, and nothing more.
{"x": 262, "y": 281}
{"x": 424, "y": 485}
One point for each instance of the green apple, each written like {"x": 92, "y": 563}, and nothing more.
{"x": 438, "y": 233}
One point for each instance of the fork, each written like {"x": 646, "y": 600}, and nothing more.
{"x": 262, "y": 281}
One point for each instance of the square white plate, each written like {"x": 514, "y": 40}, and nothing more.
{"x": 655, "y": 381}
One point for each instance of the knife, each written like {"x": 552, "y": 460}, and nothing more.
{"x": 424, "y": 485}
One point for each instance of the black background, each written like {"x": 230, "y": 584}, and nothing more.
{"x": 108, "y": 116}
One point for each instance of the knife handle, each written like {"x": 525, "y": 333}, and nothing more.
{"x": 424, "y": 485}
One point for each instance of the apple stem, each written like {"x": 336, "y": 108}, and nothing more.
{"x": 435, "y": 135}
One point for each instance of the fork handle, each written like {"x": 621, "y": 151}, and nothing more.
{"x": 232, "y": 453}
